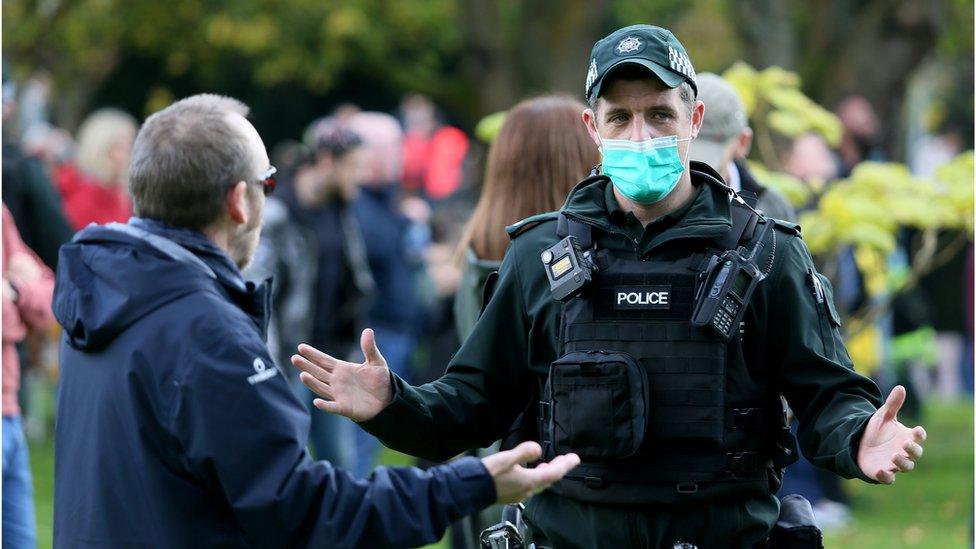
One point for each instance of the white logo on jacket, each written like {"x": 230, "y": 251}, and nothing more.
{"x": 262, "y": 372}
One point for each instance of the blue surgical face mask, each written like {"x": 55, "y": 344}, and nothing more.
{"x": 643, "y": 171}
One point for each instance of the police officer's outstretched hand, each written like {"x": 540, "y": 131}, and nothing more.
{"x": 888, "y": 447}
{"x": 357, "y": 391}
{"x": 514, "y": 483}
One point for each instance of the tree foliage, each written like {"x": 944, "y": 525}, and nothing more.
{"x": 865, "y": 211}
{"x": 776, "y": 104}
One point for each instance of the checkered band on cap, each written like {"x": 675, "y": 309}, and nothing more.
{"x": 679, "y": 62}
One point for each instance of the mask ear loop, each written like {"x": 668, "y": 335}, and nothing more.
{"x": 688, "y": 152}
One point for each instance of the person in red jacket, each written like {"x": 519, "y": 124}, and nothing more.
{"x": 433, "y": 154}
{"x": 93, "y": 186}
{"x": 27, "y": 288}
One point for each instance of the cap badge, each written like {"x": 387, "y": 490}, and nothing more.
{"x": 629, "y": 45}
{"x": 590, "y": 77}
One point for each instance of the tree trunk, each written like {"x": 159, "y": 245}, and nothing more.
{"x": 848, "y": 47}
{"x": 486, "y": 52}
{"x": 876, "y": 58}
{"x": 766, "y": 28}
{"x": 555, "y": 39}
{"x": 545, "y": 48}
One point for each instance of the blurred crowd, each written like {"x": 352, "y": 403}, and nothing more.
{"x": 395, "y": 221}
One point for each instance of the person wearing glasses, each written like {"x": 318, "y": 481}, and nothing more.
{"x": 175, "y": 427}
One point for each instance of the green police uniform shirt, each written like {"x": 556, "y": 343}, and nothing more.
{"x": 791, "y": 334}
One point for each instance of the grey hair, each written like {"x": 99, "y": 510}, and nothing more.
{"x": 687, "y": 95}
{"x": 186, "y": 157}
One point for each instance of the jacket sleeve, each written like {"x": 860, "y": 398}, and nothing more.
{"x": 486, "y": 385}
{"x": 243, "y": 435}
{"x": 830, "y": 400}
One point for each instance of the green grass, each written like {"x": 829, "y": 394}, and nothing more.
{"x": 931, "y": 507}
{"x": 42, "y": 467}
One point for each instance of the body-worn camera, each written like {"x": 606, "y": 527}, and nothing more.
{"x": 730, "y": 279}
{"x": 568, "y": 268}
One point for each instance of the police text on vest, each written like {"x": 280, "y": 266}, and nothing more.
{"x": 642, "y": 297}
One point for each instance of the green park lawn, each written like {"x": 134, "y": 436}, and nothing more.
{"x": 931, "y": 507}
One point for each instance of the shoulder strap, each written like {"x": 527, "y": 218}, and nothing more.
{"x": 519, "y": 227}
{"x": 749, "y": 197}
{"x": 744, "y": 222}
{"x": 566, "y": 226}
{"x": 787, "y": 226}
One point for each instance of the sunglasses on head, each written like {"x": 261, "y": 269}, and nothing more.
{"x": 268, "y": 181}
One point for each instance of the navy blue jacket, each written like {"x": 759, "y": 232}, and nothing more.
{"x": 176, "y": 429}
{"x": 385, "y": 232}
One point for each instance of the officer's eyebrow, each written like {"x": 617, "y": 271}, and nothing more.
{"x": 663, "y": 108}
{"x": 612, "y": 111}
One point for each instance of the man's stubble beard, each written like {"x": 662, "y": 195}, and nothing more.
{"x": 245, "y": 242}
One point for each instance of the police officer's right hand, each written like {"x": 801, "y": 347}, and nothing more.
{"x": 357, "y": 391}
{"x": 515, "y": 483}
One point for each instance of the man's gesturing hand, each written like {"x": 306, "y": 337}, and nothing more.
{"x": 357, "y": 391}
{"x": 887, "y": 446}
{"x": 515, "y": 483}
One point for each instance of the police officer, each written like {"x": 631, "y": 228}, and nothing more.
{"x": 611, "y": 348}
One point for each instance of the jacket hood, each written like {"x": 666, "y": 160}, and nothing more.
{"x": 112, "y": 275}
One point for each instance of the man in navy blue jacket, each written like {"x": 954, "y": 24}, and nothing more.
{"x": 175, "y": 427}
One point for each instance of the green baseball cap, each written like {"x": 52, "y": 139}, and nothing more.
{"x": 653, "y": 48}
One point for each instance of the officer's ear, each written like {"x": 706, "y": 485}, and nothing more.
{"x": 236, "y": 201}
{"x": 697, "y": 116}
{"x": 589, "y": 120}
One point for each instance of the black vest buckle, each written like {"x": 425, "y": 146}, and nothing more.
{"x": 745, "y": 419}
{"x": 686, "y": 487}
{"x": 543, "y": 422}
{"x": 743, "y": 462}
{"x": 543, "y": 410}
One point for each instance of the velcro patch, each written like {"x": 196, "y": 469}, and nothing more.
{"x": 642, "y": 297}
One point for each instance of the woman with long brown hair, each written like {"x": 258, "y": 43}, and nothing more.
{"x": 541, "y": 151}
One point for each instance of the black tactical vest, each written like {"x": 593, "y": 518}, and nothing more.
{"x": 643, "y": 396}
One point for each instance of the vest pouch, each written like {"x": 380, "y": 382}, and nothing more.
{"x": 598, "y": 403}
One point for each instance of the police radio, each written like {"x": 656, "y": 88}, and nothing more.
{"x": 568, "y": 268}
{"x": 730, "y": 279}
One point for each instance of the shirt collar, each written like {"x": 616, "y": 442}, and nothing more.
{"x": 735, "y": 179}
{"x": 623, "y": 218}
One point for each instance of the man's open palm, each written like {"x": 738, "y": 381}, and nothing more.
{"x": 357, "y": 391}
{"x": 888, "y": 447}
